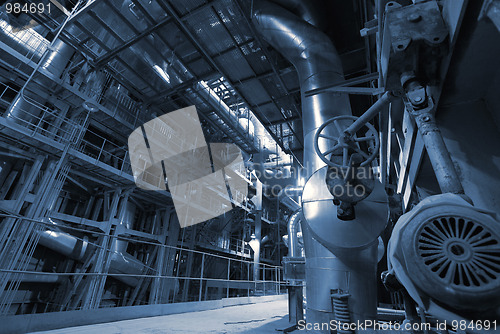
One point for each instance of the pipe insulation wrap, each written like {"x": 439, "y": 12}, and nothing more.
{"x": 120, "y": 263}
{"x": 318, "y": 65}
{"x": 293, "y": 228}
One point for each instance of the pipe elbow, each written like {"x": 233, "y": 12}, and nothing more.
{"x": 309, "y": 11}
{"x": 305, "y": 46}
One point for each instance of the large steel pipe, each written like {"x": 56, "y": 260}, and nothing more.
{"x": 77, "y": 249}
{"x": 27, "y": 107}
{"x": 318, "y": 65}
{"x": 309, "y": 11}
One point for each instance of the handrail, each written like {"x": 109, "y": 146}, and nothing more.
{"x": 50, "y": 226}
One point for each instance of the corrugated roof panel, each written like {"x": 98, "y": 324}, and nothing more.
{"x": 233, "y": 21}
{"x": 273, "y": 86}
{"x": 98, "y": 33}
{"x": 291, "y": 80}
{"x": 153, "y": 9}
{"x": 200, "y": 67}
{"x": 209, "y": 31}
{"x": 185, "y": 6}
{"x": 254, "y": 92}
{"x": 256, "y": 58}
{"x": 234, "y": 65}
{"x": 175, "y": 39}
{"x": 132, "y": 57}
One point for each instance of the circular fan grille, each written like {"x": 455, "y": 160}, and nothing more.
{"x": 460, "y": 252}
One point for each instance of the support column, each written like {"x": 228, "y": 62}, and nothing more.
{"x": 258, "y": 231}
{"x": 156, "y": 293}
{"x": 92, "y": 298}
{"x": 168, "y": 284}
{"x": 189, "y": 265}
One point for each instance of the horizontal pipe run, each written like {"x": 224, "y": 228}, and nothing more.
{"x": 354, "y": 81}
{"x": 133, "y": 240}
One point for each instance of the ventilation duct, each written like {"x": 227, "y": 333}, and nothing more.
{"x": 27, "y": 42}
{"x": 27, "y": 106}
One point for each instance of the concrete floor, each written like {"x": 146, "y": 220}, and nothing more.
{"x": 260, "y": 318}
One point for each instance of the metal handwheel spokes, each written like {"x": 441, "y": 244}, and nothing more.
{"x": 365, "y": 142}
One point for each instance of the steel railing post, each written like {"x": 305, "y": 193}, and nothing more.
{"x": 201, "y": 275}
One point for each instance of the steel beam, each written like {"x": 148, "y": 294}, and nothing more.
{"x": 167, "y": 7}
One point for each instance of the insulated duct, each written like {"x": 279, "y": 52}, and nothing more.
{"x": 27, "y": 42}
{"x": 318, "y": 65}
{"x": 77, "y": 249}
{"x": 121, "y": 261}
{"x": 309, "y": 11}
{"x": 27, "y": 106}
{"x": 26, "y": 109}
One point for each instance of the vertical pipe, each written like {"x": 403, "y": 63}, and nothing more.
{"x": 256, "y": 246}
{"x": 27, "y": 107}
{"x": 318, "y": 65}
{"x": 258, "y": 228}
{"x": 293, "y": 243}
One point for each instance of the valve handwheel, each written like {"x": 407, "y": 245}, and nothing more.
{"x": 344, "y": 145}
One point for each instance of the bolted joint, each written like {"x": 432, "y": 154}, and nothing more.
{"x": 418, "y": 97}
{"x": 415, "y": 92}
{"x": 426, "y": 123}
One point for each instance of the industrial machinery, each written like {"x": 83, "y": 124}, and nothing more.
{"x": 363, "y": 137}
{"x": 444, "y": 251}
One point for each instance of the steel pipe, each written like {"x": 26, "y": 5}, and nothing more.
{"x": 446, "y": 174}
{"x": 293, "y": 228}
{"x": 369, "y": 114}
{"x": 318, "y": 65}
{"x": 120, "y": 263}
{"x": 309, "y": 11}
{"x": 27, "y": 107}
